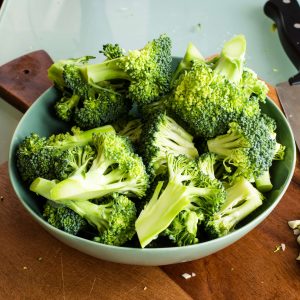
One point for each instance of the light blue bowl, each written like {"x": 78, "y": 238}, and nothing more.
{"x": 40, "y": 118}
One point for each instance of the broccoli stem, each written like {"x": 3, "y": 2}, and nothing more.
{"x": 263, "y": 182}
{"x": 85, "y": 137}
{"x": 231, "y": 61}
{"x": 107, "y": 70}
{"x": 224, "y": 144}
{"x": 192, "y": 54}
{"x": 43, "y": 187}
{"x": 167, "y": 206}
{"x": 242, "y": 199}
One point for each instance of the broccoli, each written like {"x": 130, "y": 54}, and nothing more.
{"x": 101, "y": 106}
{"x": 248, "y": 146}
{"x": 116, "y": 168}
{"x": 64, "y": 218}
{"x": 192, "y": 54}
{"x": 206, "y": 163}
{"x": 184, "y": 228}
{"x": 207, "y": 97}
{"x": 90, "y": 105}
{"x": 148, "y": 70}
{"x": 111, "y": 51}
{"x": 36, "y": 156}
{"x": 72, "y": 159}
{"x": 114, "y": 218}
{"x": 241, "y": 199}
{"x": 186, "y": 187}
{"x": 162, "y": 135}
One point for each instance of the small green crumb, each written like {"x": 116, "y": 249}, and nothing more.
{"x": 275, "y": 70}
{"x": 273, "y": 27}
{"x": 197, "y": 27}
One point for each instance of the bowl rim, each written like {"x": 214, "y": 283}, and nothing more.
{"x": 247, "y": 227}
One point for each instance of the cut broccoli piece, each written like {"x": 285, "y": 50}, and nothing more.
{"x": 186, "y": 187}
{"x": 114, "y": 218}
{"x": 162, "y": 135}
{"x": 241, "y": 199}
{"x": 63, "y": 218}
{"x": 184, "y": 228}
{"x": 148, "y": 70}
{"x": 116, "y": 168}
{"x": 36, "y": 156}
{"x": 207, "y": 97}
{"x": 248, "y": 145}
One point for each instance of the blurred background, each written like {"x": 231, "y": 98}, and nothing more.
{"x": 72, "y": 28}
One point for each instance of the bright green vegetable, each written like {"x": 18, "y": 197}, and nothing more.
{"x": 241, "y": 199}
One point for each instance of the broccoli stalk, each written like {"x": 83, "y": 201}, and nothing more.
{"x": 231, "y": 61}
{"x": 192, "y": 54}
{"x": 183, "y": 187}
{"x": 241, "y": 199}
{"x": 115, "y": 169}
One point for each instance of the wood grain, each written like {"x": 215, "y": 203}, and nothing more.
{"x": 24, "y": 79}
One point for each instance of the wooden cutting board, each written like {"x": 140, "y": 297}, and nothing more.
{"x": 34, "y": 265}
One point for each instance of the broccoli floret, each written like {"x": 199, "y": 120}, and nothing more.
{"x": 101, "y": 106}
{"x": 209, "y": 97}
{"x": 248, "y": 146}
{"x": 89, "y": 104}
{"x": 111, "y": 51}
{"x": 64, "y": 218}
{"x": 72, "y": 159}
{"x": 162, "y": 135}
{"x": 148, "y": 70}
{"x": 36, "y": 156}
{"x": 184, "y": 228}
{"x": 113, "y": 217}
{"x": 241, "y": 199}
{"x": 116, "y": 168}
{"x": 186, "y": 187}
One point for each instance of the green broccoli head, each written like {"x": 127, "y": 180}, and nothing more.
{"x": 37, "y": 156}
{"x": 184, "y": 228}
{"x": 103, "y": 105}
{"x": 113, "y": 217}
{"x": 111, "y": 51}
{"x": 248, "y": 146}
{"x": 161, "y": 136}
{"x": 115, "y": 168}
{"x": 210, "y": 95}
{"x": 72, "y": 160}
{"x": 241, "y": 199}
{"x": 64, "y": 218}
{"x": 34, "y": 158}
{"x": 148, "y": 70}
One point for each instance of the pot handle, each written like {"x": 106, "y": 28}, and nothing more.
{"x": 24, "y": 79}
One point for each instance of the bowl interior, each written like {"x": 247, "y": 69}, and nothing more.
{"x": 40, "y": 118}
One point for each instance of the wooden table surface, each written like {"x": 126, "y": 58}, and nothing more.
{"x": 34, "y": 265}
